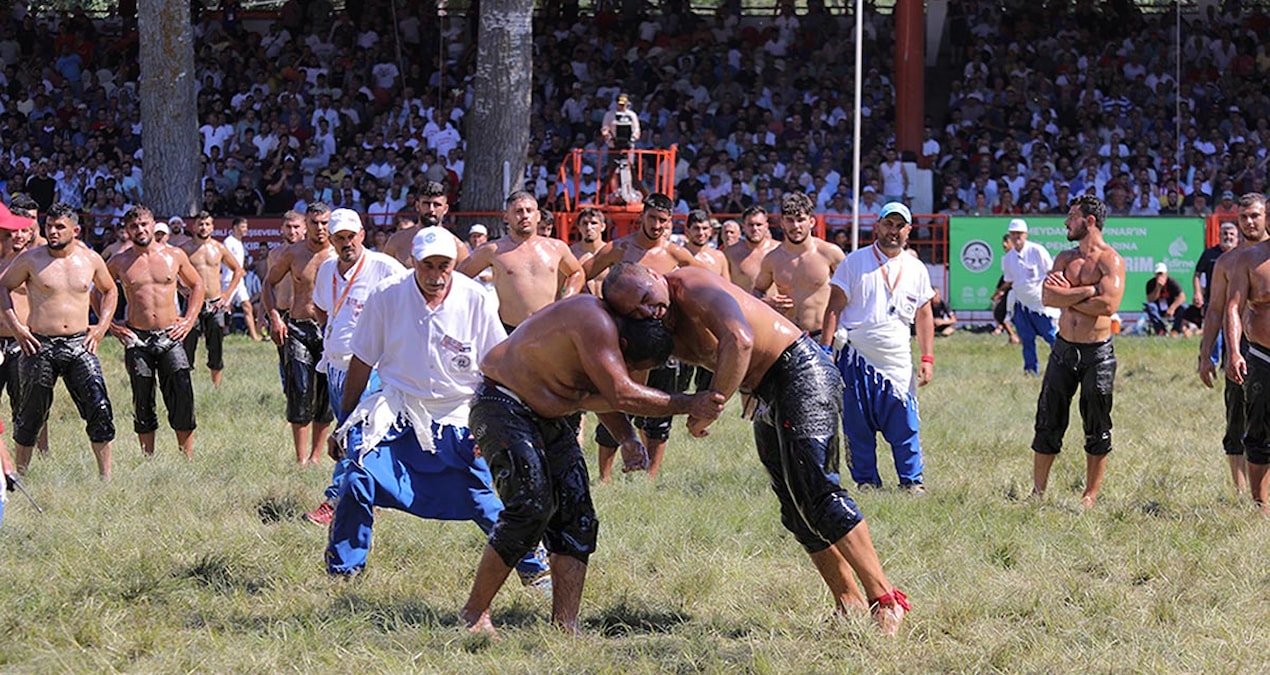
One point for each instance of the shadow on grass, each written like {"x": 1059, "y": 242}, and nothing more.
{"x": 623, "y": 619}
{"x": 223, "y": 574}
{"x": 277, "y": 508}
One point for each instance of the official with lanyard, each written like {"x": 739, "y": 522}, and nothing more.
{"x": 340, "y": 290}
{"x": 876, "y": 294}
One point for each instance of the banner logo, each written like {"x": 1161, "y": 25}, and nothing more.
{"x": 976, "y": 255}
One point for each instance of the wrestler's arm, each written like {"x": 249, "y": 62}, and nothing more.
{"x": 462, "y": 253}
{"x": 480, "y": 259}
{"x": 833, "y": 311}
{"x": 597, "y": 346}
{"x": 721, "y": 314}
{"x": 1236, "y": 294}
{"x": 571, "y": 270}
{"x": 189, "y": 276}
{"x": 236, "y": 271}
{"x": 765, "y": 278}
{"x": 1213, "y": 318}
{"x": 602, "y": 260}
{"x": 1108, "y": 291}
{"x": 278, "y": 270}
{"x": 109, "y": 299}
{"x": 1058, "y": 291}
{"x": 17, "y": 274}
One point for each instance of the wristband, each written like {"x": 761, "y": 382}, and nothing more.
{"x": 828, "y": 349}
{"x": 928, "y": 358}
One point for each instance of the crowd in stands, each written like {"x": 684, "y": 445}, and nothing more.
{"x": 1046, "y": 102}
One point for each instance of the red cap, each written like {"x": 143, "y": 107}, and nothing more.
{"x": 8, "y": 221}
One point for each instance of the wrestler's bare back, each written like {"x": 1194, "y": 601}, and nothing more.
{"x": 697, "y": 296}
{"x": 540, "y": 360}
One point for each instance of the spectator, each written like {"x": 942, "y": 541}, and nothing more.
{"x": 1164, "y": 306}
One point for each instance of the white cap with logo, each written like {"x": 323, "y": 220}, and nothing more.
{"x": 345, "y": 220}
{"x": 1018, "y": 225}
{"x": 1161, "y": 268}
{"x": 162, "y": 228}
{"x": 431, "y": 241}
{"x": 478, "y": 229}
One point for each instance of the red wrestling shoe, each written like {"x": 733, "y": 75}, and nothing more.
{"x": 322, "y": 515}
{"x": 889, "y": 610}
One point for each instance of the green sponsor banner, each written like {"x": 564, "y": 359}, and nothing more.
{"x": 974, "y": 247}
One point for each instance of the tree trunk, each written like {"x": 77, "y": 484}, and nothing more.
{"x": 169, "y": 120}
{"x": 498, "y": 125}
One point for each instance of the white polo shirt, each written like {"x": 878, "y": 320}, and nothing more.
{"x": 883, "y": 296}
{"x": 429, "y": 354}
{"x": 332, "y": 288}
{"x": 1026, "y": 270}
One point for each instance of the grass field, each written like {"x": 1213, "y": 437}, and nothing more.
{"x": 207, "y": 566}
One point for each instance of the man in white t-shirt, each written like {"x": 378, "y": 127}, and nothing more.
{"x": 1024, "y": 268}
{"x": 240, "y": 298}
{"x": 340, "y": 290}
{"x": 875, "y": 295}
{"x": 408, "y": 444}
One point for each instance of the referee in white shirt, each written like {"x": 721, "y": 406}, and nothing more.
{"x": 1024, "y": 268}
{"x": 409, "y": 447}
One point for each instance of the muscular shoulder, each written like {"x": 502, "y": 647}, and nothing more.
{"x": 830, "y": 251}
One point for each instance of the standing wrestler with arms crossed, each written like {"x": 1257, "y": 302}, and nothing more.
{"x": 293, "y": 230}
{"x": 153, "y": 330}
{"x": 59, "y": 278}
{"x": 650, "y": 247}
{"x": 527, "y": 267}
{"x": 1248, "y": 315}
{"x": 1087, "y": 284}
{"x": 207, "y": 255}
{"x": 800, "y": 267}
{"x": 754, "y": 349}
{"x": 305, "y": 386}
{"x": 1252, "y": 224}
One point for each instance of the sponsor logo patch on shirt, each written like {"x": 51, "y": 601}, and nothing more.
{"x": 453, "y": 345}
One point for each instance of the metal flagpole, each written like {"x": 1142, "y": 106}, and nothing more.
{"x": 855, "y": 145}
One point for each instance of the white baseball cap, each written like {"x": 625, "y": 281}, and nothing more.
{"x": 896, "y": 207}
{"x": 162, "y": 227}
{"x": 344, "y": 220}
{"x": 478, "y": 229}
{"x": 1018, "y": 225}
{"x": 1161, "y": 268}
{"x": 431, "y": 241}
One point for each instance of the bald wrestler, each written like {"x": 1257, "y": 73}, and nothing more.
{"x": 752, "y": 348}
{"x": 650, "y": 246}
